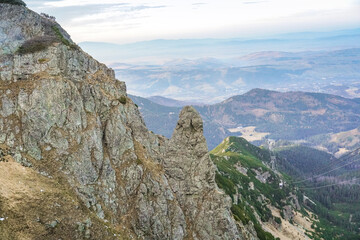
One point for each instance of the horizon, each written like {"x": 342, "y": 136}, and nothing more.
{"x": 138, "y": 21}
{"x": 279, "y": 36}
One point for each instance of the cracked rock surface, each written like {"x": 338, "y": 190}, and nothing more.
{"x": 66, "y": 116}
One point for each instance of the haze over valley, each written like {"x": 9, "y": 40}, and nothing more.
{"x": 210, "y": 71}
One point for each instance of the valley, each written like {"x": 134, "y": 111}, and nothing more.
{"x": 211, "y": 80}
{"x": 320, "y": 169}
{"x": 323, "y": 120}
{"x": 287, "y": 193}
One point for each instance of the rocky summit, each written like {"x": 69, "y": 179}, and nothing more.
{"x": 76, "y": 159}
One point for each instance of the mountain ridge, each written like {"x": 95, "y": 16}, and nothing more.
{"x": 66, "y": 120}
{"x": 260, "y": 192}
{"x": 264, "y": 114}
{"x": 169, "y": 102}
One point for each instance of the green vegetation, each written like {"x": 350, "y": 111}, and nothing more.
{"x": 240, "y": 214}
{"x": 262, "y": 235}
{"x": 123, "y": 99}
{"x": 43, "y": 42}
{"x": 36, "y": 45}
{"x": 237, "y": 151}
{"x": 234, "y": 154}
{"x": 245, "y": 216}
{"x": 14, "y": 2}
{"x": 306, "y": 160}
{"x": 60, "y": 37}
{"x": 224, "y": 183}
{"x": 43, "y": 60}
{"x": 338, "y": 210}
{"x": 336, "y": 206}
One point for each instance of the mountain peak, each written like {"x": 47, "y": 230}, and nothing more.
{"x": 25, "y": 31}
{"x": 189, "y": 132}
{"x": 259, "y": 91}
{"x": 13, "y": 2}
{"x": 233, "y": 145}
{"x": 190, "y": 119}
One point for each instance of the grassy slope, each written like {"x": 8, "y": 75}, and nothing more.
{"x": 334, "y": 204}
{"x": 234, "y": 153}
{"x": 34, "y": 206}
{"x": 307, "y": 161}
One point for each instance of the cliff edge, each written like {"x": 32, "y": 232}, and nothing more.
{"x": 77, "y": 158}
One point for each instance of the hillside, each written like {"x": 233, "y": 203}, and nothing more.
{"x": 286, "y": 193}
{"x": 307, "y": 161}
{"x": 332, "y": 184}
{"x": 259, "y": 192}
{"x": 76, "y": 159}
{"x": 289, "y": 115}
{"x": 261, "y": 114}
{"x": 171, "y": 102}
{"x": 337, "y": 143}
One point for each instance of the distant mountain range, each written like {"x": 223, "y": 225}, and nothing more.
{"x": 211, "y": 80}
{"x": 151, "y": 52}
{"x": 171, "y": 102}
{"x": 212, "y": 70}
{"x": 262, "y": 114}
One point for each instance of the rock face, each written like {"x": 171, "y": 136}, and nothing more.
{"x": 64, "y": 115}
{"x": 193, "y": 180}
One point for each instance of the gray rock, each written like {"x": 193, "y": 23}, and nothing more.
{"x": 53, "y": 224}
{"x": 288, "y": 212}
{"x": 69, "y": 115}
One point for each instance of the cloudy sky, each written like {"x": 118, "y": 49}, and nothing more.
{"x": 137, "y": 20}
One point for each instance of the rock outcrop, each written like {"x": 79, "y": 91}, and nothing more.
{"x": 65, "y": 117}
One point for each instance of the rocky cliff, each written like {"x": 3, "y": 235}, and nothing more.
{"x": 90, "y": 168}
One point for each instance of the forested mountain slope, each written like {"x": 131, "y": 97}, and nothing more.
{"x": 262, "y": 114}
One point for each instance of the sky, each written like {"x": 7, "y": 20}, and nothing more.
{"x": 136, "y": 20}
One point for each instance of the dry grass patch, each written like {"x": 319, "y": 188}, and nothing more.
{"x": 249, "y": 133}
{"x": 38, "y": 207}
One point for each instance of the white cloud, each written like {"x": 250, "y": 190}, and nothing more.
{"x": 118, "y": 13}
{"x": 149, "y": 85}
{"x": 165, "y": 75}
{"x": 171, "y": 91}
{"x": 198, "y": 77}
{"x": 207, "y": 88}
{"x": 221, "y": 83}
{"x": 72, "y": 3}
{"x": 135, "y": 20}
{"x": 224, "y": 71}
{"x": 198, "y": 3}
{"x": 238, "y": 82}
